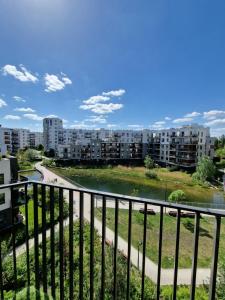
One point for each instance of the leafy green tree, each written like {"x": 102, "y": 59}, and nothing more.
{"x": 177, "y": 196}
{"x": 205, "y": 170}
{"x": 149, "y": 162}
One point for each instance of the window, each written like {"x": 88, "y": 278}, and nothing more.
{"x": 2, "y": 199}
{"x": 2, "y": 179}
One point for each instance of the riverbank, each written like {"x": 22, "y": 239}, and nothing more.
{"x": 133, "y": 181}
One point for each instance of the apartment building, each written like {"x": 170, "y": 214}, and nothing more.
{"x": 13, "y": 139}
{"x": 175, "y": 146}
{"x": 8, "y": 174}
{"x": 52, "y": 133}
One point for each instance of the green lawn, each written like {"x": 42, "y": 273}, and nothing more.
{"x": 169, "y": 233}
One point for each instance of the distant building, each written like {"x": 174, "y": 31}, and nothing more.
{"x": 175, "y": 146}
{"x": 13, "y": 139}
{"x": 8, "y": 174}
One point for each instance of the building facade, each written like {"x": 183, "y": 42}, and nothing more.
{"x": 8, "y": 174}
{"x": 176, "y": 146}
{"x": 13, "y": 139}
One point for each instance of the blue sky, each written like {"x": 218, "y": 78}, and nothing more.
{"x": 113, "y": 64}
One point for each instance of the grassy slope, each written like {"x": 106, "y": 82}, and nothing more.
{"x": 186, "y": 237}
{"x": 136, "y": 176}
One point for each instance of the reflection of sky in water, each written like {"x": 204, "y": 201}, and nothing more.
{"x": 218, "y": 198}
{"x": 32, "y": 175}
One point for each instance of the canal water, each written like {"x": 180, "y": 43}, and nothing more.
{"x": 213, "y": 199}
{"x": 32, "y": 175}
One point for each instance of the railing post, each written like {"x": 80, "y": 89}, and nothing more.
{"x": 92, "y": 247}
{"x": 52, "y": 240}
{"x": 71, "y": 273}
{"x": 176, "y": 256}
{"x": 1, "y": 281}
{"x": 195, "y": 256}
{"x": 129, "y": 249}
{"x": 81, "y": 237}
{"x": 213, "y": 276}
{"x": 103, "y": 248}
{"x": 36, "y": 242}
{"x": 115, "y": 249}
{"x": 144, "y": 251}
{"x": 160, "y": 253}
{"x": 61, "y": 245}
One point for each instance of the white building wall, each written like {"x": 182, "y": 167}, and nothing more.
{"x": 5, "y": 169}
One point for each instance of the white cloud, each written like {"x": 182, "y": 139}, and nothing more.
{"x": 21, "y": 73}
{"x": 182, "y": 120}
{"x": 25, "y": 109}
{"x": 160, "y": 123}
{"x": 135, "y": 126}
{"x": 12, "y": 117}
{"x": 112, "y": 125}
{"x": 167, "y": 118}
{"x": 102, "y": 108}
{"x": 2, "y": 103}
{"x": 216, "y": 122}
{"x": 96, "y": 99}
{"x": 96, "y": 119}
{"x": 82, "y": 125}
{"x": 33, "y": 117}
{"x": 19, "y": 99}
{"x": 51, "y": 116}
{"x": 67, "y": 80}
{"x": 213, "y": 114}
{"x": 115, "y": 93}
{"x": 54, "y": 83}
{"x": 217, "y": 131}
{"x": 193, "y": 114}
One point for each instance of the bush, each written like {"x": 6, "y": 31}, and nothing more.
{"x": 205, "y": 170}
{"x": 177, "y": 196}
{"x": 151, "y": 175}
{"x": 149, "y": 162}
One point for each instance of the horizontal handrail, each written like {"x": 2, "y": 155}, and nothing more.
{"x": 208, "y": 211}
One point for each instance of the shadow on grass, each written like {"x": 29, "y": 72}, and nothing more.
{"x": 202, "y": 231}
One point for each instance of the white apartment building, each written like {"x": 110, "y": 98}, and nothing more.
{"x": 8, "y": 174}
{"x": 13, "y": 139}
{"x": 52, "y": 133}
{"x": 175, "y": 146}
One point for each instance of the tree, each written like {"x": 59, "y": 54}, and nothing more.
{"x": 177, "y": 196}
{"x": 205, "y": 170}
{"x": 40, "y": 147}
{"x": 30, "y": 155}
{"x": 149, "y": 162}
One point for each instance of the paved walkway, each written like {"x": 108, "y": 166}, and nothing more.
{"x": 184, "y": 275}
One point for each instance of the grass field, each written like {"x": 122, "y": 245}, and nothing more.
{"x": 169, "y": 233}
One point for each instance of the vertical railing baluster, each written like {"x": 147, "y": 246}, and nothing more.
{"x": 195, "y": 256}
{"x": 81, "y": 237}
{"x": 61, "y": 245}
{"x": 36, "y": 245}
{"x": 52, "y": 240}
{"x": 159, "y": 253}
{"x": 92, "y": 248}
{"x": 13, "y": 200}
{"x": 27, "y": 237}
{"x": 71, "y": 279}
{"x": 115, "y": 249}
{"x": 1, "y": 281}
{"x": 103, "y": 247}
{"x": 144, "y": 251}
{"x": 44, "y": 258}
{"x": 176, "y": 258}
{"x": 213, "y": 276}
{"x": 129, "y": 248}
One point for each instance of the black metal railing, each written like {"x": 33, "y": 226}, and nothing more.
{"x": 44, "y": 255}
